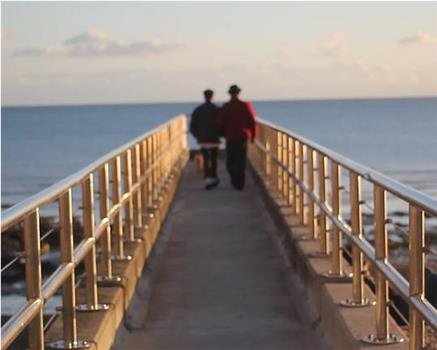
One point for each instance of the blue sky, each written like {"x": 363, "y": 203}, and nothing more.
{"x": 122, "y": 52}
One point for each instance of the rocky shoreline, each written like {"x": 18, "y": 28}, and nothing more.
{"x": 12, "y": 246}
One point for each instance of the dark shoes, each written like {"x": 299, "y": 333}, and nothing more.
{"x": 211, "y": 183}
{"x": 238, "y": 185}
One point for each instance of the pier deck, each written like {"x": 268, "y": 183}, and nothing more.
{"x": 219, "y": 282}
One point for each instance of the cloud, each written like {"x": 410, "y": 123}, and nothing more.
{"x": 8, "y": 34}
{"x": 99, "y": 43}
{"x": 333, "y": 44}
{"x": 421, "y": 38}
{"x": 48, "y": 51}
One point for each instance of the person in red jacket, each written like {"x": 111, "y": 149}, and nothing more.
{"x": 236, "y": 120}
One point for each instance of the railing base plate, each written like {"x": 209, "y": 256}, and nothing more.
{"x": 105, "y": 281}
{"x": 357, "y": 303}
{"x": 62, "y": 344}
{"x": 390, "y": 339}
{"x": 91, "y": 308}
{"x": 121, "y": 258}
{"x": 135, "y": 240}
{"x": 335, "y": 277}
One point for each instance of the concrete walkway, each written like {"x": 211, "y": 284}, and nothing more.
{"x": 218, "y": 281}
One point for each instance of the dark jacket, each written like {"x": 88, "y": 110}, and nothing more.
{"x": 203, "y": 124}
{"x": 237, "y": 120}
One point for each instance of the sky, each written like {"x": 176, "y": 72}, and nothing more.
{"x": 56, "y": 53}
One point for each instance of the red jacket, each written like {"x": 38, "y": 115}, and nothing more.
{"x": 236, "y": 120}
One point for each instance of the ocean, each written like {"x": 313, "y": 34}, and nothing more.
{"x": 42, "y": 145}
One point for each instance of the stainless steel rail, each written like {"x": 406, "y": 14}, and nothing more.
{"x": 149, "y": 163}
{"x": 296, "y": 167}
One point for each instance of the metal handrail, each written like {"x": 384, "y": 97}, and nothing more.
{"x": 281, "y": 156}
{"x": 397, "y": 188}
{"x": 14, "y": 213}
{"x": 149, "y": 161}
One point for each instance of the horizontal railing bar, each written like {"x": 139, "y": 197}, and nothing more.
{"x": 82, "y": 250}
{"x": 18, "y": 212}
{"x": 397, "y": 188}
{"x": 16, "y": 324}
{"x": 396, "y": 279}
{"x": 15, "y": 213}
{"x": 56, "y": 279}
{"x": 63, "y": 271}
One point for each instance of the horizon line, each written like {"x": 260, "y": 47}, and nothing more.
{"x": 96, "y": 104}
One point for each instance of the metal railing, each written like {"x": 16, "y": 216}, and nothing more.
{"x": 297, "y": 169}
{"x": 128, "y": 201}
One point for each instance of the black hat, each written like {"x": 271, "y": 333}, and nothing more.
{"x": 234, "y": 89}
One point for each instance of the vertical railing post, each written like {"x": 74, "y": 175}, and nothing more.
{"x": 33, "y": 277}
{"x": 129, "y": 224}
{"x": 274, "y": 141}
{"x": 267, "y": 154}
{"x": 301, "y": 199}
{"x": 118, "y": 220}
{"x": 290, "y": 171}
{"x": 337, "y": 242}
{"x": 92, "y": 303}
{"x": 144, "y": 186}
{"x": 293, "y": 172}
{"x": 382, "y": 335}
{"x": 279, "y": 159}
{"x": 107, "y": 277}
{"x": 285, "y": 160}
{"x": 417, "y": 278}
{"x": 137, "y": 200}
{"x": 358, "y": 299}
{"x": 381, "y": 253}
{"x": 155, "y": 166}
{"x": 311, "y": 204}
{"x": 324, "y": 242}
{"x": 150, "y": 177}
{"x": 69, "y": 321}
{"x": 155, "y": 181}
{"x": 160, "y": 163}
{"x": 337, "y": 239}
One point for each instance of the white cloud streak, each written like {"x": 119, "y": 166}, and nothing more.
{"x": 333, "y": 44}
{"x": 421, "y": 38}
{"x": 98, "y": 43}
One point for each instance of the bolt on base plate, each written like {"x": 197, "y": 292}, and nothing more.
{"x": 91, "y": 308}
{"x": 121, "y": 258}
{"x": 390, "y": 339}
{"x": 62, "y": 344}
{"x": 334, "y": 276}
{"x": 108, "y": 280}
{"x": 357, "y": 303}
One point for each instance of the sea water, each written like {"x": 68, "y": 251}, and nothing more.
{"x": 42, "y": 145}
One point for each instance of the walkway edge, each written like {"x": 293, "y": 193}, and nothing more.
{"x": 342, "y": 327}
{"x": 100, "y": 328}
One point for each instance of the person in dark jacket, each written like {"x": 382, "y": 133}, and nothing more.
{"x": 204, "y": 128}
{"x": 236, "y": 119}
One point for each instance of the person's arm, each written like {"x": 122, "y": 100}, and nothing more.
{"x": 251, "y": 115}
{"x": 219, "y": 121}
{"x": 193, "y": 123}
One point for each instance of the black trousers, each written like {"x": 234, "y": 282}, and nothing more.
{"x": 210, "y": 162}
{"x": 236, "y": 151}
